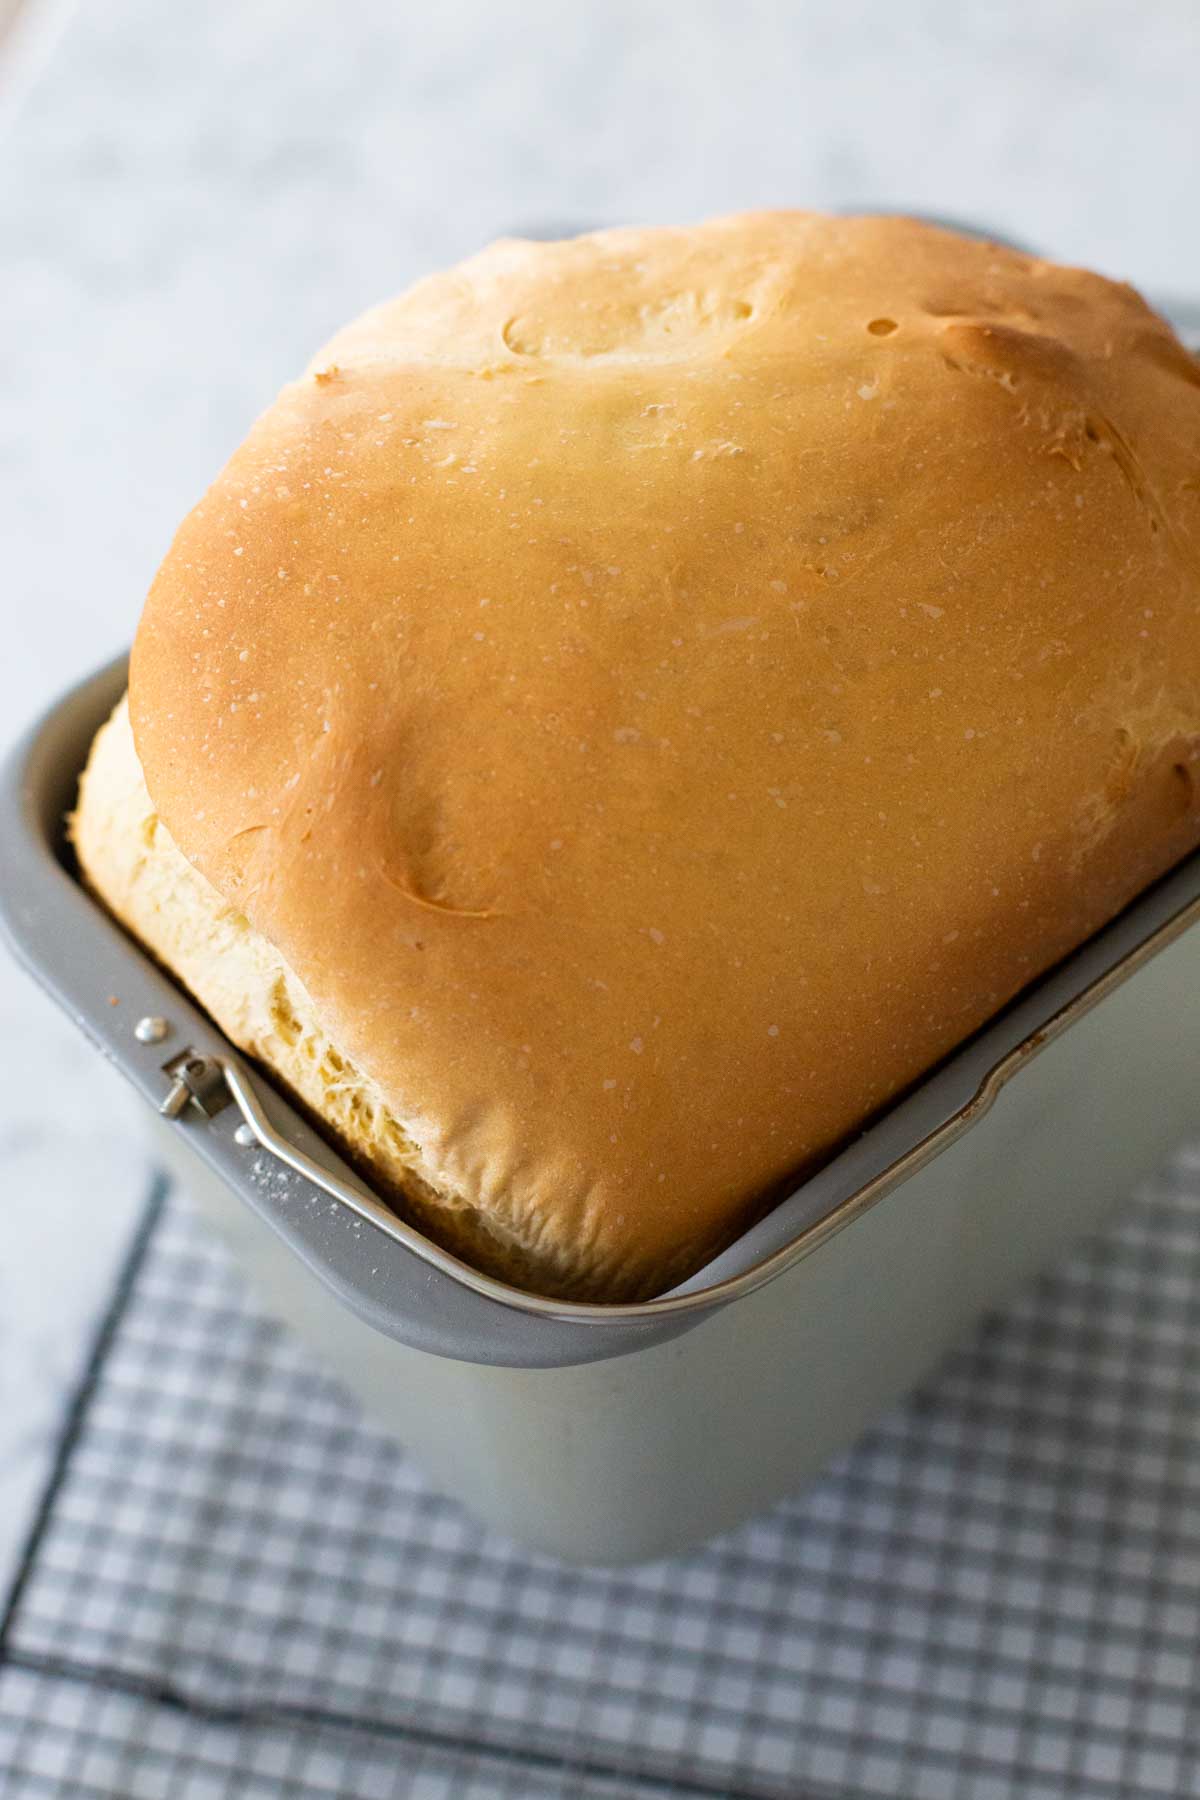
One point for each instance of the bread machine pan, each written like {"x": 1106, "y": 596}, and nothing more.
{"x": 608, "y": 1434}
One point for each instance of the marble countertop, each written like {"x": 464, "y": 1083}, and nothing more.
{"x": 192, "y": 198}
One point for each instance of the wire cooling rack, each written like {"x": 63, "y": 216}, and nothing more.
{"x": 236, "y": 1587}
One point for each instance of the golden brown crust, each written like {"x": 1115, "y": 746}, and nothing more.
{"x": 137, "y": 869}
{"x": 660, "y": 692}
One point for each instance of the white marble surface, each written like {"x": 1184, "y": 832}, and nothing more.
{"x": 191, "y": 197}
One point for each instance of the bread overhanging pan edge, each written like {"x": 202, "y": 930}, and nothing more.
{"x": 389, "y": 1274}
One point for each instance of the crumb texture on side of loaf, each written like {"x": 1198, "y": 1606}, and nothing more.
{"x": 660, "y": 692}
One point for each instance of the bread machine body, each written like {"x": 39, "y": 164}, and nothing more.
{"x": 648, "y": 1437}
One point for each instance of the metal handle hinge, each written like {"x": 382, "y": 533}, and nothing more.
{"x": 198, "y": 1078}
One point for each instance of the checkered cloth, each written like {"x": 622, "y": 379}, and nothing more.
{"x": 237, "y": 1587}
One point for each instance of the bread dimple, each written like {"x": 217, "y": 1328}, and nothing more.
{"x": 659, "y": 692}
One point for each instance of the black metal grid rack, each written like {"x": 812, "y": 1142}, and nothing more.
{"x": 237, "y": 1587}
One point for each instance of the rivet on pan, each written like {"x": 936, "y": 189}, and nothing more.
{"x": 244, "y": 1136}
{"x": 151, "y": 1029}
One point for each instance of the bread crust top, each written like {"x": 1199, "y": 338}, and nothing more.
{"x": 662, "y": 691}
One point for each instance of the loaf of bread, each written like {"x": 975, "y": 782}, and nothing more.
{"x": 636, "y": 703}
